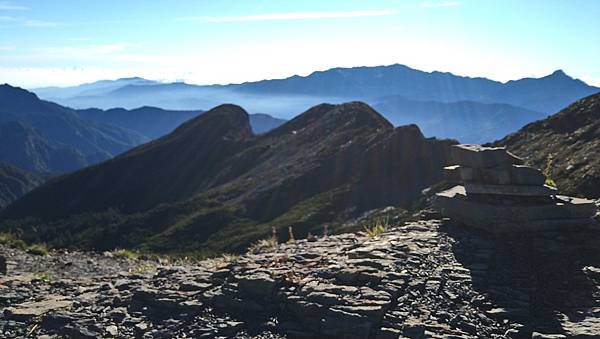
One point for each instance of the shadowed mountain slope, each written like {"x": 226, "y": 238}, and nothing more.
{"x": 213, "y": 186}
{"x": 25, "y": 147}
{"x": 567, "y": 142}
{"x": 42, "y": 136}
{"x": 15, "y": 182}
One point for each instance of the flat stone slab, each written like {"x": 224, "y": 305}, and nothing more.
{"x": 513, "y": 190}
{"x": 33, "y": 309}
{"x": 508, "y": 175}
{"x": 477, "y": 156}
{"x": 563, "y": 212}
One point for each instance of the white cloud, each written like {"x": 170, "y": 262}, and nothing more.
{"x": 8, "y": 6}
{"x": 28, "y": 22}
{"x": 590, "y": 80}
{"x": 440, "y": 4}
{"x": 292, "y": 16}
{"x": 86, "y": 51}
{"x": 39, "y": 23}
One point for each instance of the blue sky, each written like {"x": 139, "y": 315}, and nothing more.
{"x": 66, "y": 42}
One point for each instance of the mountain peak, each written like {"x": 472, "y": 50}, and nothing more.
{"x": 132, "y": 79}
{"x": 10, "y": 92}
{"x": 227, "y": 120}
{"x": 364, "y": 114}
{"x": 231, "y": 109}
{"x": 559, "y": 74}
{"x": 327, "y": 117}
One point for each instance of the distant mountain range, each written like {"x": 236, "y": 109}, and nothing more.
{"x": 468, "y": 121}
{"x": 153, "y": 122}
{"x": 568, "y": 144}
{"x": 43, "y": 137}
{"x": 447, "y": 105}
{"x": 40, "y": 139}
{"x": 212, "y": 185}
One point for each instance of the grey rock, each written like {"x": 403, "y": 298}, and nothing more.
{"x": 508, "y": 175}
{"x": 358, "y": 277}
{"x": 512, "y": 190}
{"x": 258, "y": 285}
{"x": 112, "y": 330}
{"x": 56, "y": 320}
{"x": 324, "y": 298}
{"x": 32, "y": 309}
{"x": 341, "y": 324}
{"x": 141, "y": 328}
{"x": 537, "y": 335}
{"x": 192, "y": 286}
{"x": 162, "y": 304}
{"x": 3, "y": 266}
{"x": 77, "y": 331}
{"x": 561, "y": 212}
{"x": 118, "y": 314}
{"x": 477, "y": 156}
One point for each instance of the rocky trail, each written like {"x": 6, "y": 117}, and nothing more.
{"x": 426, "y": 279}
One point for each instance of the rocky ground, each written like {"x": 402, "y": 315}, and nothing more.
{"x": 426, "y": 279}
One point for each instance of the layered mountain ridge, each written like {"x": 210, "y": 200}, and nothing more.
{"x": 212, "y": 185}
{"x": 154, "y": 122}
{"x": 436, "y": 95}
{"x": 44, "y": 137}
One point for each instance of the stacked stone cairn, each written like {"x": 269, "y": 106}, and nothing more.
{"x": 497, "y": 193}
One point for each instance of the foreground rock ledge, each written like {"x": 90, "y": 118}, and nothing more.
{"x": 423, "y": 279}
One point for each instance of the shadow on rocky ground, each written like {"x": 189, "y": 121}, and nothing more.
{"x": 424, "y": 279}
{"x": 548, "y": 282}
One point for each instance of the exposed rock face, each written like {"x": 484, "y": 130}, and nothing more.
{"x": 568, "y": 141}
{"x": 499, "y": 195}
{"x": 213, "y": 186}
{"x": 425, "y": 279}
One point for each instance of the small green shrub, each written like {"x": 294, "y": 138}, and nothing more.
{"x": 38, "y": 249}
{"x": 378, "y": 227}
{"x": 550, "y": 182}
{"x": 13, "y": 241}
{"x": 6, "y": 238}
{"x": 43, "y": 276}
{"x": 20, "y": 244}
{"x": 144, "y": 267}
{"x": 124, "y": 253}
{"x": 548, "y": 171}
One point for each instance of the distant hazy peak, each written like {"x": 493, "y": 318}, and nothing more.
{"x": 559, "y": 73}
